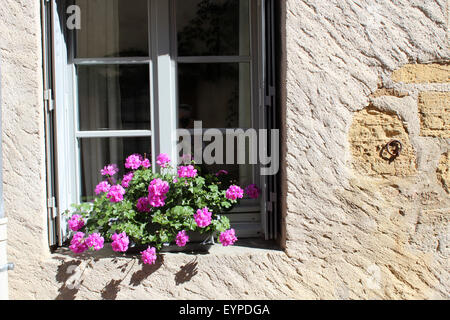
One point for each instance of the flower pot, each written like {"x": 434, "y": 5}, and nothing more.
{"x": 198, "y": 243}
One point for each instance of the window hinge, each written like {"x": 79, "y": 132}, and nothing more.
{"x": 268, "y": 101}
{"x": 48, "y": 99}
{"x": 270, "y": 205}
{"x": 51, "y": 205}
{"x": 7, "y": 267}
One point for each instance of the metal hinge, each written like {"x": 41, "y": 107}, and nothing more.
{"x": 51, "y": 205}
{"x": 7, "y": 267}
{"x": 270, "y": 205}
{"x": 268, "y": 98}
{"x": 48, "y": 99}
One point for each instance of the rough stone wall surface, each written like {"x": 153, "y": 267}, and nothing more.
{"x": 23, "y": 144}
{"x": 443, "y": 171}
{"x": 434, "y": 110}
{"x": 348, "y": 233}
{"x": 342, "y": 225}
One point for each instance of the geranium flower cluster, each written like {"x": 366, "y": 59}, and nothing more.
{"x": 166, "y": 199}
{"x": 135, "y": 161}
{"x": 252, "y": 191}
{"x": 109, "y": 170}
{"x": 234, "y": 192}
{"x": 127, "y": 179}
{"x": 182, "y": 238}
{"x": 120, "y": 242}
{"x": 187, "y": 171}
{"x": 102, "y": 187}
{"x": 80, "y": 244}
{"x": 143, "y": 205}
{"x": 149, "y": 255}
{"x": 203, "y": 217}
{"x": 157, "y": 192}
{"x": 163, "y": 160}
{"x": 115, "y": 193}
{"x": 228, "y": 237}
{"x": 76, "y": 222}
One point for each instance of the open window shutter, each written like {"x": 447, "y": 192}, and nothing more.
{"x": 46, "y": 20}
{"x": 62, "y": 119}
{"x": 270, "y": 119}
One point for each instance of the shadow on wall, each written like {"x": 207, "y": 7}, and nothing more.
{"x": 70, "y": 275}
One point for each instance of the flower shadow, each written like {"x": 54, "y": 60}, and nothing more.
{"x": 139, "y": 276}
{"x": 111, "y": 290}
{"x": 187, "y": 272}
{"x": 65, "y": 270}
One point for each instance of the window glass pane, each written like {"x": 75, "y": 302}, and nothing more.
{"x": 218, "y": 94}
{"x": 95, "y": 153}
{"x": 113, "y": 97}
{"x": 213, "y": 27}
{"x": 112, "y": 28}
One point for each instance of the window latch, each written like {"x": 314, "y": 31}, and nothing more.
{"x": 7, "y": 267}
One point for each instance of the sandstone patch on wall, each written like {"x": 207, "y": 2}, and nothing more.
{"x": 422, "y": 73}
{"x": 371, "y": 130}
{"x": 434, "y": 111}
{"x": 443, "y": 171}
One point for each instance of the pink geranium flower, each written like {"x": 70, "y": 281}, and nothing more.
{"x": 187, "y": 171}
{"x": 234, "y": 192}
{"x": 109, "y": 170}
{"x": 252, "y": 191}
{"x": 149, "y": 255}
{"x": 228, "y": 238}
{"x": 163, "y": 160}
{"x": 120, "y": 242}
{"x": 127, "y": 179}
{"x": 143, "y": 205}
{"x": 157, "y": 192}
{"x": 182, "y": 238}
{"x": 146, "y": 163}
{"x": 133, "y": 161}
{"x": 116, "y": 193}
{"x": 220, "y": 172}
{"x": 203, "y": 217}
{"x": 77, "y": 244}
{"x": 102, "y": 187}
{"x": 95, "y": 241}
{"x": 76, "y": 222}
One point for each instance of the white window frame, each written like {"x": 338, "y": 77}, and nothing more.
{"x": 249, "y": 220}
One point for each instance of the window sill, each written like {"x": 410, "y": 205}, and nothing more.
{"x": 240, "y": 248}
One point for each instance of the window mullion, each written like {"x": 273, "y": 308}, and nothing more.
{"x": 164, "y": 79}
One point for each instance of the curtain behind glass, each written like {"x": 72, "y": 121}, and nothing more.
{"x": 104, "y": 29}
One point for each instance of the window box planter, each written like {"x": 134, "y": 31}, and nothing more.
{"x": 199, "y": 243}
{"x": 173, "y": 210}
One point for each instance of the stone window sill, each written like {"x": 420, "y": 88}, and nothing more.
{"x": 242, "y": 247}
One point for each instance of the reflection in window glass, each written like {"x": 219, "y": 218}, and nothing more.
{"x": 218, "y": 94}
{"x": 112, "y": 28}
{"x": 113, "y": 97}
{"x": 213, "y": 27}
{"x": 95, "y": 153}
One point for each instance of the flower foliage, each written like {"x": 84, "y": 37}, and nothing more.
{"x": 149, "y": 208}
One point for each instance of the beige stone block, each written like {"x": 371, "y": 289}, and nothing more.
{"x": 371, "y": 130}
{"x": 434, "y": 112}
{"x": 422, "y": 73}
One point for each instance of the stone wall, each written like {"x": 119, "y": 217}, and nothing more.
{"x": 356, "y": 224}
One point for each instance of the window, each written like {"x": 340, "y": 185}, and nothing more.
{"x": 140, "y": 76}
